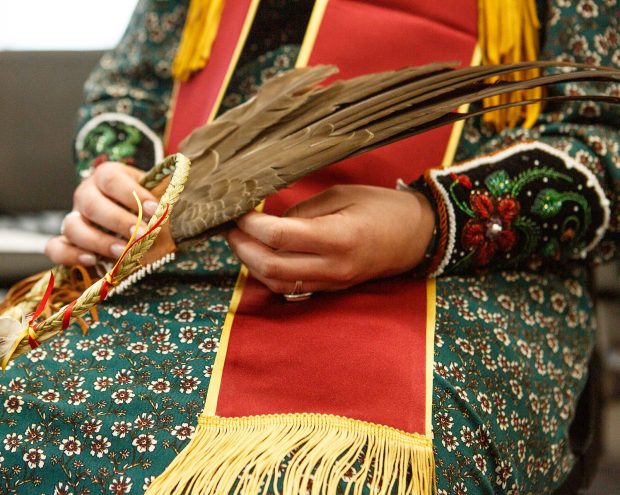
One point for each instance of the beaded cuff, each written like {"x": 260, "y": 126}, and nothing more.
{"x": 116, "y": 137}
{"x": 428, "y": 262}
{"x": 527, "y": 203}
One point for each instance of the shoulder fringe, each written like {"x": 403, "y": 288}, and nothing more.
{"x": 321, "y": 451}
{"x": 508, "y": 33}
{"x": 199, "y": 32}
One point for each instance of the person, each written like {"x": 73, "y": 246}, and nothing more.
{"x": 110, "y": 410}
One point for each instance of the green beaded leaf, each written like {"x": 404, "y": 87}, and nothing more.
{"x": 531, "y": 232}
{"x": 548, "y": 202}
{"x": 498, "y": 183}
{"x": 122, "y": 150}
{"x": 101, "y": 139}
{"x": 533, "y": 174}
{"x": 134, "y": 136}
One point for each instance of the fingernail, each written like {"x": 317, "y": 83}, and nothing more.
{"x": 87, "y": 259}
{"x": 117, "y": 249}
{"x": 150, "y": 207}
{"x": 141, "y": 230}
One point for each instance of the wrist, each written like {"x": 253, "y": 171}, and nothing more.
{"x": 426, "y": 232}
{"x": 426, "y": 238}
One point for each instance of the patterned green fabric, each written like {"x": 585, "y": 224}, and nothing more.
{"x": 586, "y": 31}
{"x": 511, "y": 354}
{"x": 106, "y": 412}
{"x": 136, "y": 77}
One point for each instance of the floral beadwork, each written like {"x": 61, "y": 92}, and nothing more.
{"x": 135, "y": 78}
{"x": 491, "y": 228}
{"x": 525, "y": 204}
{"x": 585, "y": 31}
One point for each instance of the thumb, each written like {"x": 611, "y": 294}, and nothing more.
{"x": 328, "y": 202}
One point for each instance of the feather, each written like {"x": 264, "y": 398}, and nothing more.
{"x": 294, "y": 126}
{"x": 241, "y": 124}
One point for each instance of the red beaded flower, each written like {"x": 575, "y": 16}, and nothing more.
{"x": 491, "y": 228}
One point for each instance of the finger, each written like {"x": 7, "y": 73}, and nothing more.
{"x": 118, "y": 182}
{"x": 268, "y": 264}
{"x": 99, "y": 209}
{"x": 134, "y": 172}
{"x": 62, "y": 252}
{"x": 289, "y": 287}
{"x": 64, "y": 220}
{"x": 85, "y": 236}
{"x": 302, "y": 235}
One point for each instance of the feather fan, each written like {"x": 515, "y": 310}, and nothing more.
{"x": 294, "y": 126}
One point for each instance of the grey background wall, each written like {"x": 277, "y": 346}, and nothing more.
{"x": 40, "y": 93}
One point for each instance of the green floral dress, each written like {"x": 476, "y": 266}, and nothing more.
{"x": 106, "y": 412}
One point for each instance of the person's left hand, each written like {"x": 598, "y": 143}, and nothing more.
{"x": 339, "y": 238}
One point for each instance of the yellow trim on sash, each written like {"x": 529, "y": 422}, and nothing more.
{"x": 431, "y": 313}
{"x": 245, "y": 30}
{"x": 457, "y": 127}
{"x": 220, "y": 359}
{"x": 312, "y": 31}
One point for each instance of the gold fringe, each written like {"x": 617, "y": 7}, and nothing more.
{"x": 246, "y": 455}
{"x": 198, "y": 35}
{"x": 508, "y": 33}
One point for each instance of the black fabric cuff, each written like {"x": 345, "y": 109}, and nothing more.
{"x": 529, "y": 203}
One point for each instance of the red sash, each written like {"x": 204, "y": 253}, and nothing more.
{"x": 363, "y": 353}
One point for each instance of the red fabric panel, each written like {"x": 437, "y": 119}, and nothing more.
{"x": 377, "y": 38}
{"x": 197, "y": 96}
{"x": 457, "y": 14}
{"x": 336, "y": 353}
{"x": 358, "y": 353}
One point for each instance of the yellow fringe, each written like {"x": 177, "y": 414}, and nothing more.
{"x": 246, "y": 455}
{"x": 203, "y": 20}
{"x": 508, "y": 33}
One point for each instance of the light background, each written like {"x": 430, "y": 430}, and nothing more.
{"x": 62, "y": 24}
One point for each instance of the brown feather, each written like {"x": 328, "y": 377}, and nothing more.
{"x": 293, "y": 127}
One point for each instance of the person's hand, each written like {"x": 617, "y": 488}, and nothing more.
{"x": 105, "y": 200}
{"x": 341, "y": 237}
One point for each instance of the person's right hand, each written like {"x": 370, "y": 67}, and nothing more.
{"x": 105, "y": 200}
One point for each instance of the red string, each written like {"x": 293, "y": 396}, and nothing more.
{"x": 66, "y": 319}
{"x": 34, "y": 343}
{"x": 43, "y": 302}
{"x": 104, "y": 289}
{"x": 32, "y": 340}
{"x": 109, "y": 278}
